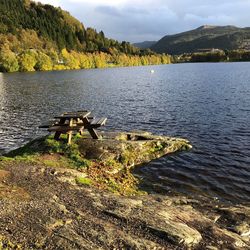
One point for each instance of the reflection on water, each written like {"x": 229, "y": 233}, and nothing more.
{"x": 207, "y": 103}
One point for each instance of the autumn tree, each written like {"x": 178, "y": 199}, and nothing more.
{"x": 8, "y": 60}
{"x": 70, "y": 60}
{"x": 44, "y": 62}
{"x": 28, "y": 60}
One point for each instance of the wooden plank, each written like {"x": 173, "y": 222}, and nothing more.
{"x": 99, "y": 121}
{"x": 103, "y": 121}
{"x": 96, "y": 123}
{"x": 75, "y": 113}
{"x": 64, "y": 129}
{"x": 69, "y": 116}
{"x": 78, "y": 111}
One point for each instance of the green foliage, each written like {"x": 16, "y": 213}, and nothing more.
{"x": 8, "y": 60}
{"x": 217, "y": 56}
{"x": 238, "y": 55}
{"x": 83, "y": 181}
{"x": 32, "y": 152}
{"x": 70, "y": 151}
{"x": 214, "y": 55}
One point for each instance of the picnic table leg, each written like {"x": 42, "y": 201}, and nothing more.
{"x": 93, "y": 133}
{"x": 70, "y": 132}
{"x": 57, "y": 134}
{"x": 81, "y": 131}
{"x": 69, "y": 137}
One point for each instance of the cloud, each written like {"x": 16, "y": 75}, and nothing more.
{"x": 56, "y": 3}
{"x": 139, "y": 20}
{"x": 108, "y": 10}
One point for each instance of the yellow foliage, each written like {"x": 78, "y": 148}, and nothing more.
{"x": 38, "y": 59}
{"x": 44, "y": 62}
{"x": 59, "y": 67}
{"x": 70, "y": 60}
{"x": 8, "y": 60}
{"x": 27, "y": 60}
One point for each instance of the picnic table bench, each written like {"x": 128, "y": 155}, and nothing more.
{"x": 70, "y": 122}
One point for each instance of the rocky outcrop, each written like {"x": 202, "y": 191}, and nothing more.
{"x": 48, "y": 202}
{"x": 131, "y": 148}
{"x": 105, "y": 162}
{"x": 51, "y": 213}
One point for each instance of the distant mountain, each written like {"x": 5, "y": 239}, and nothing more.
{"x": 204, "y": 37}
{"x": 145, "y": 44}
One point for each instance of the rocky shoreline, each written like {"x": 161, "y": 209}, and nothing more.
{"x": 53, "y": 196}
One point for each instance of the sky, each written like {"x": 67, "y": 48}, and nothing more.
{"x": 150, "y": 20}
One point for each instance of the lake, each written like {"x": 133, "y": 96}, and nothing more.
{"x": 209, "y": 104}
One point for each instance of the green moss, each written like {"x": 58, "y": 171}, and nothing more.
{"x": 113, "y": 186}
{"x": 4, "y": 159}
{"x": 33, "y": 151}
{"x": 84, "y": 181}
{"x": 70, "y": 151}
{"x": 156, "y": 147}
{"x": 51, "y": 163}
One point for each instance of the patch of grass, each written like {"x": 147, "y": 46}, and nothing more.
{"x": 156, "y": 147}
{"x": 27, "y": 158}
{"x": 51, "y": 163}
{"x": 113, "y": 186}
{"x": 70, "y": 151}
{"x": 33, "y": 151}
{"x": 55, "y": 161}
{"x": 5, "y": 159}
{"x": 84, "y": 181}
{"x": 19, "y": 158}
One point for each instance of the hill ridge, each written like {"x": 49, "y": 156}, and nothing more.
{"x": 227, "y": 37}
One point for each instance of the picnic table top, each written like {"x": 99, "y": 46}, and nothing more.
{"x": 69, "y": 115}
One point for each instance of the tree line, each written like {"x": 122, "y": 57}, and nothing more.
{"x": 215, "y": 56}
{"x": 34, "y": 36}
{"x": 20, "y": 55}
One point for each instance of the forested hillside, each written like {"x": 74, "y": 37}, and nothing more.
{"x": 145, "y": 44}
{"x": 205, "y": 37}
{"x": 34, "y": 36}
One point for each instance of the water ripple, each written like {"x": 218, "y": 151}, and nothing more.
{"x": 205, "y": 103}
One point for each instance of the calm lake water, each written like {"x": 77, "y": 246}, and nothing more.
{"x": 209, "y": 104}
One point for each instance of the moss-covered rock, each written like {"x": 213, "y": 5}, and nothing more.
{"x": 106, "y": 162}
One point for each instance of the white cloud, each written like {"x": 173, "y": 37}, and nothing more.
{"x": 136, "y": 20}
{"x": 51, "y": 2}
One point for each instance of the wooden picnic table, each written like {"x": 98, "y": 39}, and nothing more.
{"x": 70, "y": 122}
